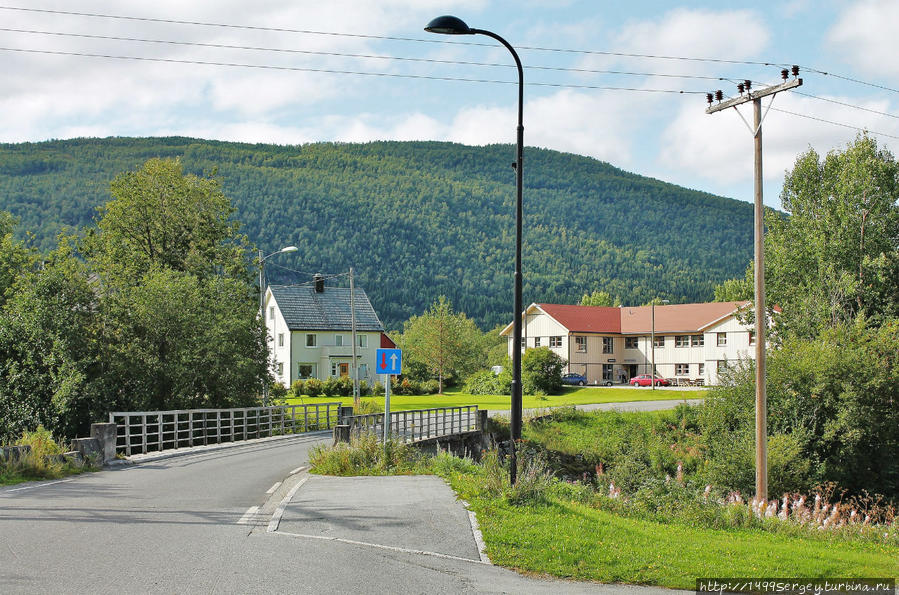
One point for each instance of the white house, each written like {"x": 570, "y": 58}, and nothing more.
{"x": 692, "y": 341}
{"x": 310, "y": 332}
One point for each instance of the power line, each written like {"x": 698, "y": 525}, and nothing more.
{"x": 442, "y": 41}
{"x": 858, "y": 107}
{"x": 336, "y": 71}
{"x": 868, "y": 130}
{"x": 362, "y": 56}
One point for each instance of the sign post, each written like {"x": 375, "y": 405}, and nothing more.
{"x": 388, "y": 362}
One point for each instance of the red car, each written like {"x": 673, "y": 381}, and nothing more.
{"x": 646, "y": 380}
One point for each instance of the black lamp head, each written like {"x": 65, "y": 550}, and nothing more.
{"x": 448, "y": 25}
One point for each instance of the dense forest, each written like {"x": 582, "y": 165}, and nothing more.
{"x": 418, "y": 219}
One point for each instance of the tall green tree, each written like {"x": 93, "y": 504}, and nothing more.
{"x": 446, "y": 342}
{"x": 836, "y": 256}
{"x": 599, "y": 298}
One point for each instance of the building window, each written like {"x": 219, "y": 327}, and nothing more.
{"x": 681, "y": 340}
{"x": 702, "y": 369}
{"x": 271, "y": 313}
{"x": 681, "y": 369}
{"x": 305, "y": 371}
{"x": 630, "y": 342}
{"x": 280, "y": 339}
{"x": 524, "y": 343}
{"x": 536, "y": 341}
{"x": 607, "y": 345}
{"x": 660, "y": 341}
{"x": 338, "y": 340}
{"x": 722, "y": 365}
{"x": 280, "y": 368}
{"x": 722, "y": 339}
{"x": 752, "y": 337}
{"x": 698, "y": 340}
{"x": 311, "y": 340}
{"x": 362, "y": 340}
{"x": 363, "y": 370}
{"x": 555, "y": 341}
{"x": 581, "y": 343}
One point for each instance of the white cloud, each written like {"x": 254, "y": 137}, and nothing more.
{"x": 865, "y": 33}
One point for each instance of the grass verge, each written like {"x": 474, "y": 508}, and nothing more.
{"x": 570, "y": 396}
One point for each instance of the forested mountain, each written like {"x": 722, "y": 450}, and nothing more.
{"x": 419, "y": 219}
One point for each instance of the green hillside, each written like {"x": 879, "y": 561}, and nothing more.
{"x": 420, "y": 219}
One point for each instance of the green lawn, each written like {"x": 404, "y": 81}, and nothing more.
{"x": 570, "y": 396}
{"x": 572, "y": 540}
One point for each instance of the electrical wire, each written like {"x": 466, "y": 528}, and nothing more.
{"x": 337, "y": 71}
{"x": 361, "y": 56}
{"x": 443, "y": 41}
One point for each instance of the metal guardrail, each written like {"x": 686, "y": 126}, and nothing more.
{"x": 418, "y": 424}
{"x": 141, "y": 432}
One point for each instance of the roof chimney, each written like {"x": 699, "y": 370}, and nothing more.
{"x": 319, "y": 283}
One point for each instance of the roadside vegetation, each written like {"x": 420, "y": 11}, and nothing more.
{"x": 40, "y": 463}
{"x": 621, "y": 497}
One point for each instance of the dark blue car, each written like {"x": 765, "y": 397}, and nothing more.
{"x": 576, "y": 379}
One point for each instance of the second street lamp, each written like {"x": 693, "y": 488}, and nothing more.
{"x": 262, "y": 260}
{"x": 450, "y": 25}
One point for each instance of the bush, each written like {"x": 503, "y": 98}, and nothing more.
{"x": 541, "y": 372}
{"x": 276, "y": 393}
{"x": 482, "y": 383}
{"x": 41, "y": 442}
{"x": 377, "y": 389}
{"x": 296, "y": 389}
{"x": 312, "y": 387}
{"x": 429, "y": 387}
{"x": 366, "y": 456}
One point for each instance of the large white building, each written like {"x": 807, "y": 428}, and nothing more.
{"x": 692, "y": 341}
{"x": 310, "y": 332}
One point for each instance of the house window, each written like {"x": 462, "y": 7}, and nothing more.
{"x": 305, "y": 371}
{"x": 701, "y": 369}
{"x": 752, "y": 337}
{"x": 660, "y": 341}
{"x": 280, "y": 368}
{"x": 524, "y": 343}
{"x": 722, "y": 365}
{"x": 681, "y": 369}
{"x": 581, "y": 343}
{"x": 722, "y": 339}
{"x": 698, "y": 340}
{"x": 630, "y": 342}
{"x": 311, "y": 340}
{"x": 362, "y": 340}
{"x": 280, "y": 339}
{"x": 271, "y": 313}
{"x": 363, "y": 370}
{"x": 681, "y": 340}
{"x": 607, "y": 345}
{"x": 338, "y": 340}
{"x": 555, "y": 341}
{"x": 536, "y": 341}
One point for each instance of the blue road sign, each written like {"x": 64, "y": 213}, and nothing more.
{"x": 389, "y": 361}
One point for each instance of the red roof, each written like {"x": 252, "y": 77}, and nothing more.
{"x": 585, "y": 319}
{"x": 673, "y": 318}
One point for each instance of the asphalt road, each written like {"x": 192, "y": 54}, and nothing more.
{"x": 247, "y": 519}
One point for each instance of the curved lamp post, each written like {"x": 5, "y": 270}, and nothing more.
{"x": 450, "y": 25}
{"x": 262, "y": 260}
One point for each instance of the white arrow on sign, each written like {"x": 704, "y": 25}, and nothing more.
{"x": 393, "y": 362}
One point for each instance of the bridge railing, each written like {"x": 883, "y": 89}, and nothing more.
{"x": 140, "y": 432}
{"x": 418, "y": 424}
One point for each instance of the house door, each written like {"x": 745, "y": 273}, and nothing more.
{"x": 607, "y": 371}
{"x": 344, "y": 369}
{"x": 631, "y": 370}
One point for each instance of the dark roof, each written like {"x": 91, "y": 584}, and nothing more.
{"x": 304, "y": 309}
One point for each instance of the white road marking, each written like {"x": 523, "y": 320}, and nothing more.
{"x": 37, "y": 485}
{"x": 297, "y": 470}
{"x": 279, "y": 512}
{"x": 272, "y": 489}
{"x": 381, "y": 547}
{"x": 248, "y": 516}
{"x": 478, "y": 537}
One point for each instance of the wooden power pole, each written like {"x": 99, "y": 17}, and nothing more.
{"x": 761, "y": 395}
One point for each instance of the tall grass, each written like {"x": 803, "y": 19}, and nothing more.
{"x": 39, "y": 463}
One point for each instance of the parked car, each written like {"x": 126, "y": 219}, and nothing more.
{"x": 578, "y": 379}
{"x": 647, "y": 380}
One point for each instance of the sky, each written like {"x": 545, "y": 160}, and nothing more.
{"x": 623, "y": 82}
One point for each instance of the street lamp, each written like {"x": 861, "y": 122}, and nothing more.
{"x": 262, "y": 260}
{"x": 450, "y": 25}
{"x": 652, "y": 373}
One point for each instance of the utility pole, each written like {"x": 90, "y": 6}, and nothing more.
{"x": 356, "y": 399}
{"x": 761, "y": 396}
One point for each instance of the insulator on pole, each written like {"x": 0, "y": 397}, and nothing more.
{"x": 748, "y": 84}
{"x": 784, "y": 74}
{"x": 719, "y": 95}
{"x": 708, "y": 98}
{"x": 795, "y": 70}
{"x": 740, "y": 88}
